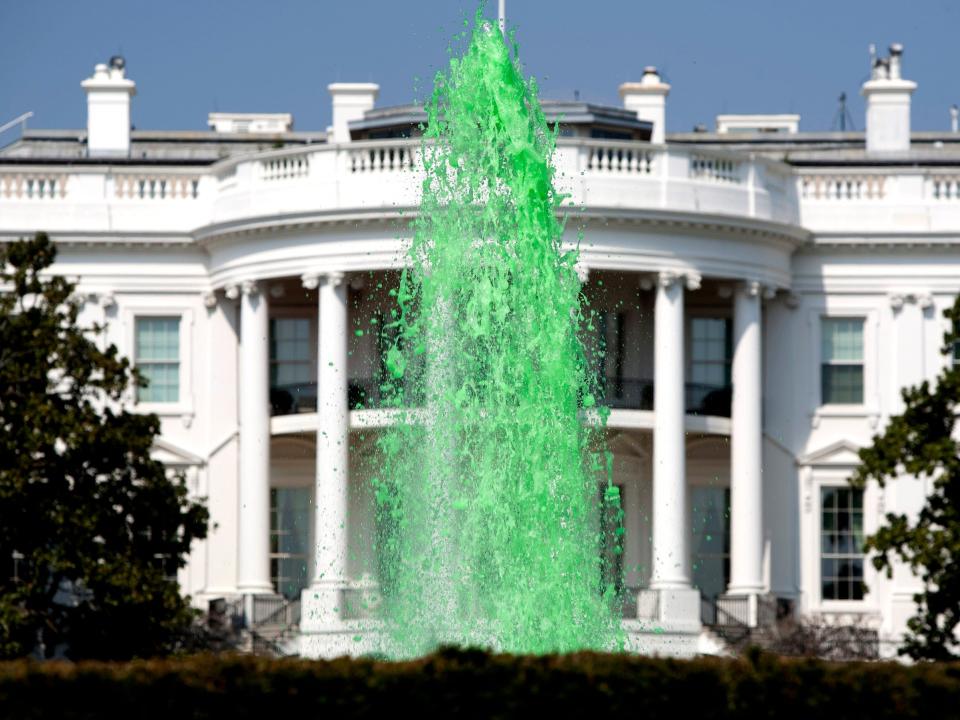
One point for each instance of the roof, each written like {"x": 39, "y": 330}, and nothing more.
{"x": 161, "y": 147}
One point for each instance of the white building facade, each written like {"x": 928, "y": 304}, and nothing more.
{"x": 764, "y": 294}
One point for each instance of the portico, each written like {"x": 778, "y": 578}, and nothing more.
{"x": 342, "y": 366}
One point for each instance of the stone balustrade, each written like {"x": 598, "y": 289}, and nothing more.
{"x": 383, "y": 177}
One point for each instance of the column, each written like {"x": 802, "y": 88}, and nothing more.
{"x": 323, "y": 600}
{"x": 254, "y": 543}
{"x": 670, "y": 600}
{"x": 671, "y": 562}
{"x": 746, "y": 489}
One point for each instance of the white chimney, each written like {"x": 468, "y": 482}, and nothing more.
{"x": 350, "y": 102}
{"x": 648, "y": 99}
{"x": 108, "y": 110}
{"x": 888, "y": 104}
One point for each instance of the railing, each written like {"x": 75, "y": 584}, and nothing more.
{"x": 274, "y": 610}
{"x": 383, "y": 158}
{"x": 619, "y": 158}
{"x": 329, "y": 177}
{"x": 362, "y": 393}
{"x": 33, "y": 186}
{"x": 618, "y": 393}
{"x": 842, "y": 187}
{"x": 637, "y": 394}
{"x": 944, "y": 187}
{"x": 708, "y": 167}
{"x": 287, "y": 167}
{"x": 155, "y": 187}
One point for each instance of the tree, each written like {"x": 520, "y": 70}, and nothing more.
{"x": 92, "y": 530}
{"x": 922, "y": 442}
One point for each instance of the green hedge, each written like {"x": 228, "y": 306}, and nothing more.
{"x": 455, "y": 683}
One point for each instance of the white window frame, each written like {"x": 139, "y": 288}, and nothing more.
{"x": 869, "y": 408}
{"x": 185, "y": 405}
{"x": 844, "y": 363}
{"x": 814, "y": 479}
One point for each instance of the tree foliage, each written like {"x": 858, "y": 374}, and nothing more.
{"x": 91, "y": 527}
{"x": 921, "y": 442}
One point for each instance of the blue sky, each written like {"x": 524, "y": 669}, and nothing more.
{"x": 191, "y": 57}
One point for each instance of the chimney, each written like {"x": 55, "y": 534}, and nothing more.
{"x": 350, "y": 102}
{"x": 108, "y": 109}
{"x": 648, "y": 99}
{"x": 888, "y": 103}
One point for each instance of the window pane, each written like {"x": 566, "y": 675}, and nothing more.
{"x": 157, "y": 356}
{"x": 842, "y": 339}
{"x": 842, "y": 384}
{"x": 841, "y": 544}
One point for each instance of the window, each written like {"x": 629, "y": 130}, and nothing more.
{"x": 841, "y": 544}
{"x": 611, "y": 549}
{"x": 841, "y": 370}
{"x": 292, "y": 380}
{"x": 711, "y": 346}
{"x": 710, "y": 548}
{"x": 611, "y": 335}
{"x": 289, "y": 539}
{"x": 157, "y": 357}
{"x": 710, "y": 352}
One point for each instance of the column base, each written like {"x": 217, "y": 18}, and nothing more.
{"x": 322, "y": 607}
{"x": 672, "y": 609}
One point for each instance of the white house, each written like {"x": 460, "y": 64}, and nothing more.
{"x": 806, "y": 270}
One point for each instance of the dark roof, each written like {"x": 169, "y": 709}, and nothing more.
{"x": 562, "y": 111}
{"x": 159, "y": 147}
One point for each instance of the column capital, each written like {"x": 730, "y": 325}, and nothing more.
{"x": 250, "y": 287}
{"x": 694, "y": 280}
{"x": 209, "y": 299}
{"x": 667, "y": 278}
{"x": 313, "y": 280}
{"x": 232, "y": 291}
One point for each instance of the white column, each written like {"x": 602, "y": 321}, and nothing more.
{"x": 323, "y": 600}
{"x": 254, "y": 543}
{"x": 746, "y": 488}
{"x": 671, "y": 562}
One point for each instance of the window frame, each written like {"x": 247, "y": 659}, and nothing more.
{"x": 140, "y": 363}
{"x": 824, "y": 362}
{"x": 836, "y": 486}
{"x": 184, "y": 407}
{"x": 727, "y": 340}
{"x": 295, "y": 314}
{"x": 826, "y": 472}
{"x": 869, "y": 408}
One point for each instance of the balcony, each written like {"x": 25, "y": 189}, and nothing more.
{"x": 619, "y": 394}
{"x": 362, "y": 394}
{"x": 637, "y": 394}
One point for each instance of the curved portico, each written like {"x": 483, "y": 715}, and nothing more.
{"x": 328, "y": 257}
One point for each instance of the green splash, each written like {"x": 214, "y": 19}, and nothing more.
{"x": 492, "y": 507}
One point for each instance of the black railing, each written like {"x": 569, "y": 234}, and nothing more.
{"x": 637, "y": 394}
{"x": 617, "y": 393}
{"x": 367, "y": 393}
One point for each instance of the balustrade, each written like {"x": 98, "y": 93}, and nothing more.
{"x": 287, "y": 167}
{"x": 155, "y": 187}
{"x": 842, "y": 187}
{"x": 33, "y": 186}
{"x": 619, "y": 158}
{"x": 944, "y": 187}
{"x": 716, "y": 169}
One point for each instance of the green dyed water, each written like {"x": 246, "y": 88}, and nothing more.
{"x": 494, "y": 496}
